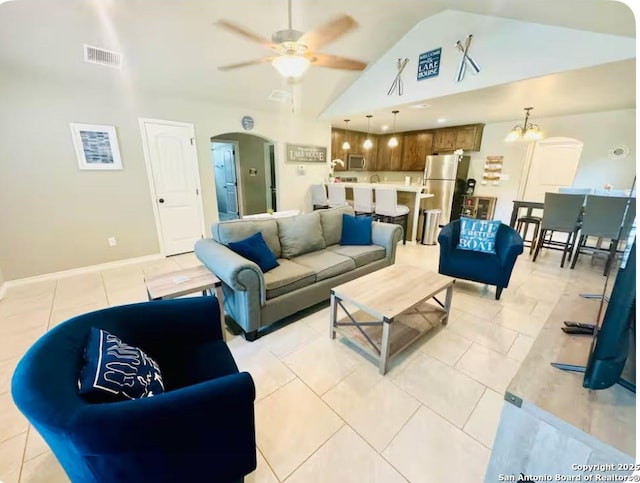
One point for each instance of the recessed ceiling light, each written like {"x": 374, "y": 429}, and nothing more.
{"x": 442, "y": 119}
{"x": 384, "y": 127}
{"x": 419, "y": 106}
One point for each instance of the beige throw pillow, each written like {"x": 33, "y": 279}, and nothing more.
{"x": 300, "y": 234}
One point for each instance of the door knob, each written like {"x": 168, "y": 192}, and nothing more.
{"x": 161, "y": 200}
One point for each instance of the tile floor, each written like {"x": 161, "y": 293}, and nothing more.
{"x": 323, "y": 413}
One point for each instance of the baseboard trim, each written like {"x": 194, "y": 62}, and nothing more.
{"x": 77, "y": 271}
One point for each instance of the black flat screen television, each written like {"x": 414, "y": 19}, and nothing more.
{"x": 614, "y": 340}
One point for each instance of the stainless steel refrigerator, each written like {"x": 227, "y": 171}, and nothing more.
{"x": 445, "y": 177}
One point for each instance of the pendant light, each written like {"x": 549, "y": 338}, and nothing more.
{"x": 526, "y": 131}
{"x": 393, "y": 142}
{"x": 368, "y": 144}
{"x": 345, "y": 145}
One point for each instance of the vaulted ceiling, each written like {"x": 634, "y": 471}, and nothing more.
{"x": 173, "y": 48}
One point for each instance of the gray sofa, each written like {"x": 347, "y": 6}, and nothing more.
{"x": 311, "y": 262}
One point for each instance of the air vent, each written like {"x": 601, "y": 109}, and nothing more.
{"x": 279, "y": 96}
{"x": 96, "y": 55}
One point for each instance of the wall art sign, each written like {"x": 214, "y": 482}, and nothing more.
{"x": 298, "y": 153}
{"x": 397, "y": 82}
{"x": 96, "y": 146}
{"x": 465, "y": 58}
{"x": 429, "y": 64}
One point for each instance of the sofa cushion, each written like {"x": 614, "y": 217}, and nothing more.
{"x": 235, "y": 230}
{"x": 255, "y": 249}
{"x": 356, "y": 230}
{"x": 287, "y": 277}
{"x": 331, "y": 220}
{"x": 361, "y": 254}
{"x": 326, "y": 264}
{"x": 300, "y": 234}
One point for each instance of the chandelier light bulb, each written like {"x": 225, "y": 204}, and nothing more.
{"x": 367, "y": 144}
{"x": 393, "y": 142}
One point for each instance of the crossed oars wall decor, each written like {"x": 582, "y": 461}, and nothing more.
{"x": 466, "y": 59}
{"x": 397, "y": 82}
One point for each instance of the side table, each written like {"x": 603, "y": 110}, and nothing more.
{"x": 183, "y": 282}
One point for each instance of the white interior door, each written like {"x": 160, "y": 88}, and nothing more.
{"x": 172, "y": 163}
{"x": 224, "y": 169}
{"x": 553, "y": 165}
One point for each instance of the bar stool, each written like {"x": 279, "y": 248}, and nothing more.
{"x": 363, "y": 200}
{"x": 388, "y": 210}
{"x": 319, "y": 197}
{"x": 337, "y": 195}
{"x": 526, "y": 221}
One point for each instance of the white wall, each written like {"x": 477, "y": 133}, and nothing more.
{"x": 507, "y": 51}
{"x": 54, "y": 217}
{"x": 600, "y": 131}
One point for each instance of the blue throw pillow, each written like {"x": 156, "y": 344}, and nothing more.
{"x": 115, "y": 370}
{"x": 254, "y": 248}
{"x": 478, "y": 235}
{"x": 356, "y": 230}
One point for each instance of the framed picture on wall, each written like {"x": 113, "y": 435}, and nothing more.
{"x": 96, "y": 146}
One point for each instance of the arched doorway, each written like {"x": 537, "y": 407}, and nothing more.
{"x": 245, "y": 177}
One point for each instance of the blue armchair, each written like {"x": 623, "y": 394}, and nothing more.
{"x": 201, "y": 428}
{"x": 476, "y": 266}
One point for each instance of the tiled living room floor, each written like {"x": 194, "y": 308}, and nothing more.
{"x": 323, "y": 413}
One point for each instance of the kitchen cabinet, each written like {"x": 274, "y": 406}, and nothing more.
{"x": 468, "y": 138}
{"x": 479, "y": 207}
{"x": 389, "y": 159}
{"x": 337, "y": 138}
{"x": 416, "y": 146}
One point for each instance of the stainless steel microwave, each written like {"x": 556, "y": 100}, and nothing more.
{"x": 356, "y": 161}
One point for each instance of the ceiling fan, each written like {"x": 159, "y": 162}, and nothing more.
{"x": 296, "y": 50}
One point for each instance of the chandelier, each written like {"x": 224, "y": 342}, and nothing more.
{"x": 525, "y": 132}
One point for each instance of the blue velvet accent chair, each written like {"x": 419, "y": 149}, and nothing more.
{"x": 480, "y": 267}
{"x": 201, "y": 429}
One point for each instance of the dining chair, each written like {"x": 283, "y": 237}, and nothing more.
{"x": 319, "y": 197}
{"x": 388, "y": 210}
{"x": 363, "y": 200}
{"x": 603, "y": 217}
{"x": 337, "y": 195}
{"x": 561, "y": 214}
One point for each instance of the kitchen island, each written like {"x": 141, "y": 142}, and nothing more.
{"x": 411, "y": 195}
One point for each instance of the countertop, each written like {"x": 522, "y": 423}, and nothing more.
{"x": 608, "y": 415}
{"x": 412, "y": 188}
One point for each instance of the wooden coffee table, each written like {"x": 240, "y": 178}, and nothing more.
{"x": 397, "y": 297}
{"x": 184, "y": 282}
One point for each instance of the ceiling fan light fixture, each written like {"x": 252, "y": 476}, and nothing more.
{"x": 291, "y": 66}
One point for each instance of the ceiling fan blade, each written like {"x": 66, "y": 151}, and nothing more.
{"x": 262, "y": 60}
{"x": 328, "y": 32}
{"x": 232, "y": 27}
{"x": 335, "y": 62}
